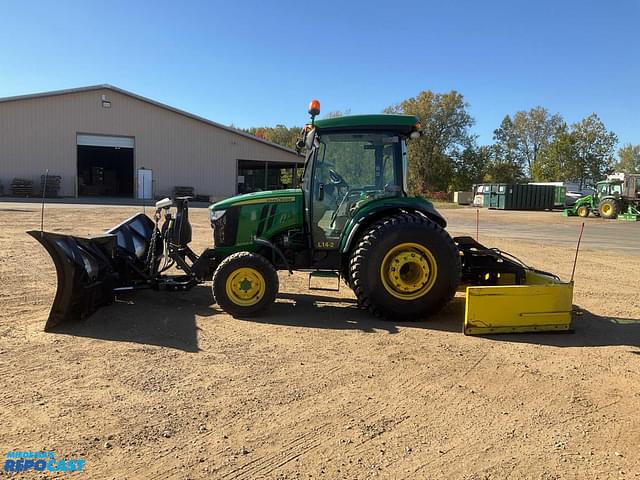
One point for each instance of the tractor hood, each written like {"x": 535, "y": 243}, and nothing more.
{"x": 270, "y": 196}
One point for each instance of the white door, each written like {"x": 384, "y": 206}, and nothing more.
{"x": 145, "y": 183}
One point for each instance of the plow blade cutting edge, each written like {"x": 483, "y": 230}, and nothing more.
{"x": 89, "y": 269}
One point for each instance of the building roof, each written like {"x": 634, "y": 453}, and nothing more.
{"x": 400, "y": 123}
{"x": 147, "y": 100}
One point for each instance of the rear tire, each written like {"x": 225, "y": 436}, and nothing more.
{"x": 405, "y": 267}
{"x": 245, "y": 284}
{"x": 583, "y": 211}
{"x": 609, "y": 208}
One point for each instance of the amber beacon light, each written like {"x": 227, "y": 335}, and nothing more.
{"x": 314, "y": 108}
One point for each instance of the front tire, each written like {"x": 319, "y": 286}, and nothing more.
{"x": 405, "y": 267}
{"x": 583, "y": 211}
{"x": 245, "y": 284}
{"x": 609, "y": 208}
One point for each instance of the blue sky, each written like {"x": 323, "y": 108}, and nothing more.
{"x": 259, "y": 63}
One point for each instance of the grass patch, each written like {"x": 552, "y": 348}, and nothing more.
{"x": 444, "y": 205}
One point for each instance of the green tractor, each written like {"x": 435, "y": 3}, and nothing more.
{"x": 583, "y": 207}
{"x": 352, "y": 216}
{"x": 613, "y": 198}
{"x": 352, "y": 219}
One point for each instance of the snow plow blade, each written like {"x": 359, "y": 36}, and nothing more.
{"x": 89, "y": 269}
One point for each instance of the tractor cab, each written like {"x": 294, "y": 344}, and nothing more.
{"x": 350, "y": 162}
{"x": 608, "y": 188}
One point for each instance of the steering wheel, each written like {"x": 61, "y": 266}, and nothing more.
{"x": 336, "y": 179}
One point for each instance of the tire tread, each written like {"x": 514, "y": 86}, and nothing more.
{"x": 366, "y": 244}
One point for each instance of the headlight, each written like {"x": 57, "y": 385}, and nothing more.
{"x": 216, "y": 214}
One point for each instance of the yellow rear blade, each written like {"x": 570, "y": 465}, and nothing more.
{"x": 543, "y": 304}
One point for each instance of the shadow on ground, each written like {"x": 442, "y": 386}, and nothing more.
{"x": 320, "y": 311}
{"x": 169, "y": 319}
{"x": 166, "y": 319}
{"x": 589, "y": 330}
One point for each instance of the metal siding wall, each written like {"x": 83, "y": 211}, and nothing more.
{"x": 40, "y": 133}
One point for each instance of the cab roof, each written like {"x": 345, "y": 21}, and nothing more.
{"x": 403, "y": 124}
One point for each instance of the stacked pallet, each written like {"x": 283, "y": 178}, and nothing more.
{"x": 50, "y": 185}
{"x": 183, "y": 191}
{"x": 21, "y": 187}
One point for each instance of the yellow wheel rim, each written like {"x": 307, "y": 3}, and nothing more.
{"x": 245, "y": 286}
{"x": 606, "y": 208}
{"x": 408, "y": 271}
{"x": 582, "y": 211}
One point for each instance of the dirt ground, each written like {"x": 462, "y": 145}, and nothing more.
{"x": 167, "y": 386}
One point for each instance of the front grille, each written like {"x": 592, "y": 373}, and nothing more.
{"x": 226, "y": 227}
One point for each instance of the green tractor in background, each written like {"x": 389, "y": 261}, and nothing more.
{"x": 613, "y": 198}
{"x": 352, "y": 219}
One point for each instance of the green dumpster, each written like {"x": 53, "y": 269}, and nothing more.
{"x": 522, "y": 197}
{"x": 560, "y": 196}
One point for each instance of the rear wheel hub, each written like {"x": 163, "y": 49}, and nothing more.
{"x": 408, "y": 271}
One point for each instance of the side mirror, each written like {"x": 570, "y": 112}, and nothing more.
{"x": 309, "y": 138}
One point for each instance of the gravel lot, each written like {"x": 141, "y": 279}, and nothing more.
{"x": 167, "y": 386}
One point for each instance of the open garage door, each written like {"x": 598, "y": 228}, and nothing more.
{"x": 105, "y": 166}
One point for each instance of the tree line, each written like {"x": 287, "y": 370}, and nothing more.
{"x": 533, "y": 145}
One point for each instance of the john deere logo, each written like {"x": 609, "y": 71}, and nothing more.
{"x": 268, "y": 200}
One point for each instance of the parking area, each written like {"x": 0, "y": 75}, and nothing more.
{"x": 317, "y": 388}
{"x": 548, "y": 228}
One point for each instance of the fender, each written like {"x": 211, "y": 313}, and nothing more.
{"x": 383, "y": 207}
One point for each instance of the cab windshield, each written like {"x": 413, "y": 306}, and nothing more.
{"x": 609, "y": 188}
{"x": 350, "y": 170}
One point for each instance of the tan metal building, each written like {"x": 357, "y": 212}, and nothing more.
{"x": 105, "y": 141}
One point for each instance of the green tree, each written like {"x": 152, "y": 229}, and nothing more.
{"x": 628, "y": 159}
{"x": 445, "y": 125}
{"x": 502, "y": 168}
{"x": 505, "y": 147}
{"x": 470, "y": 167}
{"x": 594, "y": 147}
{"x": 557, "y": 161}
{"x": 279, "y": 134}
{"x": 505, "y": 163}
{"x": 521, "y": 138}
